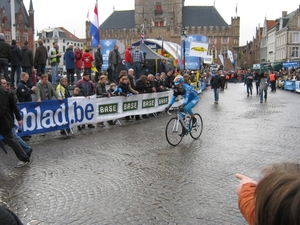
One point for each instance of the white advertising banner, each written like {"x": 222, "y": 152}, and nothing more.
{"x": 54, "y": 115}
{"x": 198, "y": 49}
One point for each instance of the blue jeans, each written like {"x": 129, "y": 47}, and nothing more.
{"x": 23, "y": 144}
{"x": 54, "y": 72}
{"x": 9, "y": 137}
{"x": 137, "y": 69}
{"x": 216, "y": 94}
{"x": 128, "y": 66}
{"x": 249, "y": 88}
{"x": 15, "y": 69}
{"x": 261, "y": 91}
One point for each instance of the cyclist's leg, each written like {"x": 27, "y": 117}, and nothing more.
{"x": 188, "y": 108}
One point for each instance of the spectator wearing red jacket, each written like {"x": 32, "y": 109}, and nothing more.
{"x": 128, "y": 58}
{"x": 87, "y": 59}
{"x": 78, "y": 62}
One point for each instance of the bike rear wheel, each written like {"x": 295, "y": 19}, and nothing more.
{"x": 174, "y": 131}
{"x": 196, "y": 131}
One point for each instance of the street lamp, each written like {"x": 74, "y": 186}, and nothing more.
{"x": 183, "y": 38}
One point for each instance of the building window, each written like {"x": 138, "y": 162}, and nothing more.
{"x": 159, "y": 23}
{"x": 225, "y": 40}
{"x": 295, "y": 52}
{"x": 212, "y": 40}
{"x": 64, "y": 48}
{"x": 5, "y": 20}
{"x": 295, "y": 37}
{"x": 7, "y": 36}
{"x": 18, "y": 36}
{"x": 64, "y": 40}
{"x": 299, "y": 21}
{"x": 25, "y": 37}
{"x": 224, "y": 52}
{"x": 55, "y": 33}
{"x": 158, "y": 9}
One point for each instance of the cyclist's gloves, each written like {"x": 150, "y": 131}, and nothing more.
{"x": 167, "y": 108}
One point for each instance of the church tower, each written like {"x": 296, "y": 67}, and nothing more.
{"x": 157, "y": 15}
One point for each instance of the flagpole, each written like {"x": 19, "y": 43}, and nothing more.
{"x": 98, "y": 21}
{"x": 13, "y": 15}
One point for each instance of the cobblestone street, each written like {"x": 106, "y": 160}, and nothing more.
{"x": 130, "y": 174}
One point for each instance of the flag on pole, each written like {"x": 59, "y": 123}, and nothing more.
{"x": 222, "y": 59}
{"x": 236, "y": 9}
{"x": 176, "y": 60}
{"x": 142, "y": 34}
{"x": 230, "y": 57}
{"x": 162, "y": 48}
{"x": 94, "y": 30}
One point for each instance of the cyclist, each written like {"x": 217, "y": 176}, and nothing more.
{"x": 189, "y": 94}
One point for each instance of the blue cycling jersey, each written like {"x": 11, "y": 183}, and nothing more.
{"x": 189, "y": 94}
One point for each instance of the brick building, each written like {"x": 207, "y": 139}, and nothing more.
{"x": 24, "y": 22}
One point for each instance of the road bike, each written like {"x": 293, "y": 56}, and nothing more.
{"x": 181, "y": 125}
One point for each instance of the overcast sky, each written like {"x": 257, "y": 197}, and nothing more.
{"x": 72, "y": 15}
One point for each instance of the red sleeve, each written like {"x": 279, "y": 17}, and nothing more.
{"x": 246, "y": 202}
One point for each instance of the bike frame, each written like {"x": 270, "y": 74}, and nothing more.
{"x": 181, "y": 116}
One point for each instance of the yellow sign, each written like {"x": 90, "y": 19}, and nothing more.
{"x": 199, "y": 49}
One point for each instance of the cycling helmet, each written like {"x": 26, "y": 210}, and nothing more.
{"x": 178, "y": 80}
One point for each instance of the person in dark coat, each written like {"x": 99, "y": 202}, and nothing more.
{"x": 16, "y": 63}
{"x": 223, "y": 80}
{"x": 27, "y": 62}
{"x": 102, "y": 92}
{"x": 101, "y": 87}
{"x": 216, "y": 83}
{"x": 8, "y": 217}
{"x": 98, "y": 62}
{"x": 248, "y": 82}
{"x": 23, "y": 90}
{"x": 6, "y": 131}
{"x": 69, "y": 58}
{"x": 169, "y": 79}
{"x": 162, "y": 66}
{"x": 40, "y": 58}
{"x": 5, "y": 56}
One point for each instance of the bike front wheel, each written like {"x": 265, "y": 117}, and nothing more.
{"x": 174, "y": 131}
{"x": 196, "y": 129}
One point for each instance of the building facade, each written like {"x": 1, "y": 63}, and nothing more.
{"x": 288, "y": 37}
{"x": 24, "y": 22}
{"x": 165, "y": 20}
